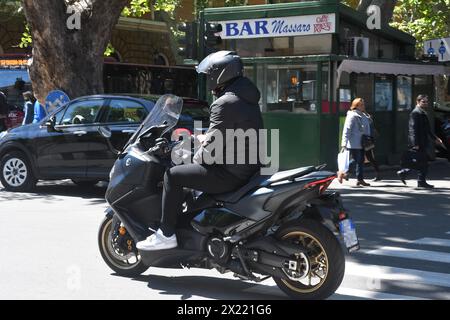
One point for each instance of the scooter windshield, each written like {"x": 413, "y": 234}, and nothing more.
{"x": 166, "y": 112}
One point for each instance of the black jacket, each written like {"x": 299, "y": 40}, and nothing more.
{"x": 419, "y": 129}
{"x": 236, "y": 108}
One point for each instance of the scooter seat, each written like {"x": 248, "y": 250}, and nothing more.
{"x": 262, "y": 181}
{"x": 234, "y": 196}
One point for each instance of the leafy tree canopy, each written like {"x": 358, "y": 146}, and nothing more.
{"x": 423, "y": 19}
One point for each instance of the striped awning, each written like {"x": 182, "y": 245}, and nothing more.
{"x": 361, "y": 66}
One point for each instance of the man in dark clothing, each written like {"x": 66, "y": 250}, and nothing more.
{"x": 4, "y": 109}
{"x": 236, "y": 108}
{"x": 28, "y": 107}
{"x": 420, "y": 139}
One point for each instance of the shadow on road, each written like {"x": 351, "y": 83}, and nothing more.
{"x": 53, "y": 190}
{"x": 211, "y": 288}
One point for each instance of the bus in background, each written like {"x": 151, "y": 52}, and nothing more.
{"x": 149, "y": 79}
{"x": 14, "y": 80}
{"x": 120, "y": 78}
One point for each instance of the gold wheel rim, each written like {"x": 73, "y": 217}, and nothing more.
{"x": 318, "y": 260}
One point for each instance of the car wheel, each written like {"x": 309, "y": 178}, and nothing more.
{"x": 16, "y": 173}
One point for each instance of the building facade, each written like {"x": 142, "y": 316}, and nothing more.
{"x": 310, "y": 59}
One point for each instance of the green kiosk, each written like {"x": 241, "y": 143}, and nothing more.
{"x": 310, "y": 59}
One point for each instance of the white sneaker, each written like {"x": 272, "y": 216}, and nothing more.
{"x": 157, "y": 241}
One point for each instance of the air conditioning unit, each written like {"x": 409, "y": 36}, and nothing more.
{"x": 358, "y": 47}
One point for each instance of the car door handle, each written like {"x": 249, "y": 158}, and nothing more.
{"x": 128, "y": 131}
{"x": 80, "y": 132}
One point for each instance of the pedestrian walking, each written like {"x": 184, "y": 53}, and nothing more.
{"x": 420, "y": 142}
{"x": 39, "y": 112}
{"x": 352, "y": 139}
{"x": 4, "y": 109}
{"x": 369, "y": 140}
{"x": 28, "y": 107}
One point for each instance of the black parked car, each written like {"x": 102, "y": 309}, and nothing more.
{"x": 67, "y": 144}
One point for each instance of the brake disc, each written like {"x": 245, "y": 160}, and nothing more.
{"x": 299, "y": 268}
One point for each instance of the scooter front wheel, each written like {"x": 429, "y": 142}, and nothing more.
{"x": 118, "y": 249}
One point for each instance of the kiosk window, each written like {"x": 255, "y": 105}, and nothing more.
{"x": 290, "y": 88}
{"x": 383, "y": 94}
{"x": 404, "y": 93}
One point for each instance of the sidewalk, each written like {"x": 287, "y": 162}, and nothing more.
{"x": 438, "y": 169}
{"x": 388, "y": 210}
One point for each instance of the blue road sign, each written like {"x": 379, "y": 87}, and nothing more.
{"x": 55, "y": 99}
{"x": 442, "y": 49}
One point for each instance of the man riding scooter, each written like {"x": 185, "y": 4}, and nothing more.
{"x": 236, "y": 107}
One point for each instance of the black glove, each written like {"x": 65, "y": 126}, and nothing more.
{"x": 161, "y": 147}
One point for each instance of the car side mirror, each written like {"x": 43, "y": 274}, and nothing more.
{"x": 50, "y": 124}
{"x": 105, "y": 132}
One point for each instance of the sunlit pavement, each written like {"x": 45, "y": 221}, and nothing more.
{"x": 49, "y": 244}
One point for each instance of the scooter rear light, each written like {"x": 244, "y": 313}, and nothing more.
{"x": 324, "y": 183}
{"x": 324, "y": 186}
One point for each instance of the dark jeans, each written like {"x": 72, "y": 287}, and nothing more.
{"x": 210, "y": 179}
{"x": 371, "y": 157}
{"x": 358, "y": 161}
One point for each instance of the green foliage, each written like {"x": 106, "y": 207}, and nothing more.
{"x": 109, "y": 50}
{"x": 26, "y": 40}
{"x": 201, "y": 5}
{"x": 11, "y": 7}
{"x": 423, "y": 19}
{"x": 351, "y": 3}
{"x": 138, "y": 8}
{"x": 166, "y": 5}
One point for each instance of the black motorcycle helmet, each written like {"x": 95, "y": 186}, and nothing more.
{"x": 220, "y": 67}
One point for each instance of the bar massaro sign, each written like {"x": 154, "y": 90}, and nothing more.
{"x": 278, "y": 27}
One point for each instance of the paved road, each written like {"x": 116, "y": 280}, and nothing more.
{"x": 48, "y": 242}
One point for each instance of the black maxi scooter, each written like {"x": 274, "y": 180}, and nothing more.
{"x": 283, "y": 226}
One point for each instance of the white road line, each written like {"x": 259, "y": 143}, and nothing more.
{"x": 397, "y": 274}
{"x": 376, "y": 295}
{"x": 447, "y": 232}
{"x": 433, "y": 242}
{"x": 411, "y": 254}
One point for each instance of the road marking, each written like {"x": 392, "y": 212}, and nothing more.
{"x": 376, "y": 295}
{"x": 411, "y": 254}
{"x": 433, "y": 242}
{"x": 397, "y": 274}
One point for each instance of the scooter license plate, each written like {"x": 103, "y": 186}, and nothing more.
{"x": 348, "y": 232}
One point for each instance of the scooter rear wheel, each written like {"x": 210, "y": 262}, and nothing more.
{"x": 119, "y": 261}
{"x": 323, "y": 270}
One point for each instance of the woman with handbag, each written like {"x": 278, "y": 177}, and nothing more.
{"x": 352, "y": 139}
{"x": 368, "y": 140}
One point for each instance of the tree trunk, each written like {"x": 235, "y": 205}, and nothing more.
{"x": 386, "y": 6}
{"x": 70, "y": 60}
